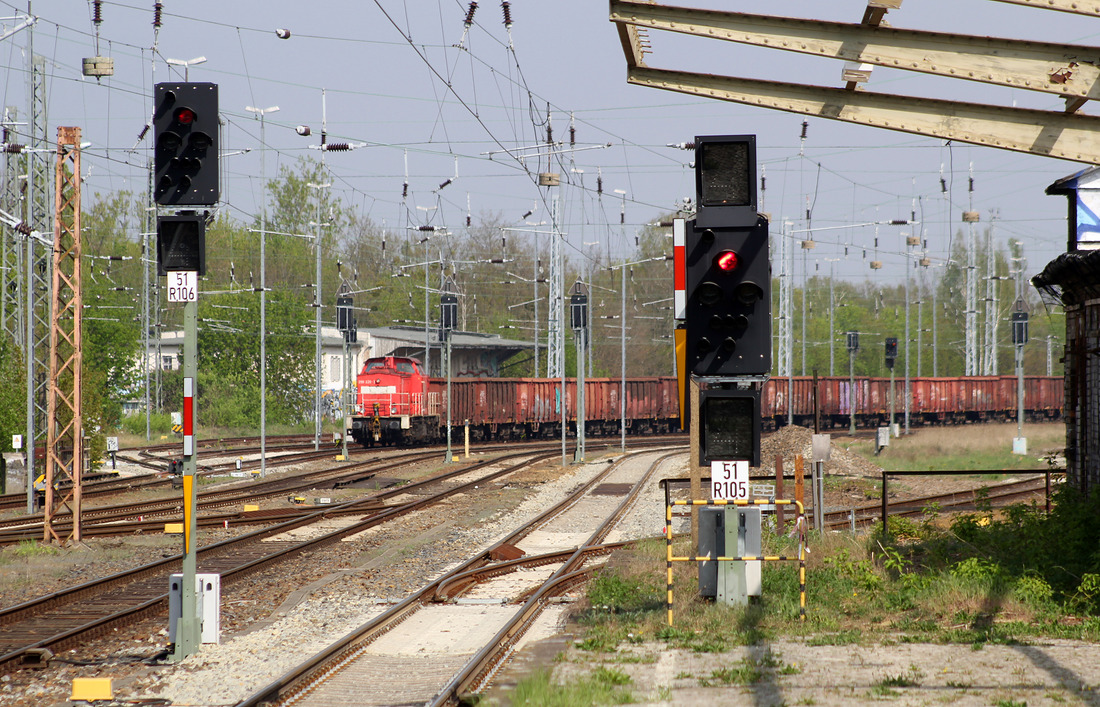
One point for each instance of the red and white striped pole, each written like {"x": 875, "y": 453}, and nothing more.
{"x": 679, "y": 266}
{"x": 679, "y": 302}
{"x": 188, "y": 416}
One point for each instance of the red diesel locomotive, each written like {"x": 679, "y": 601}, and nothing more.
{"x": 397, "y": 403}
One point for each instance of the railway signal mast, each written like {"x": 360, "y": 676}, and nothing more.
{"x": 578, "y": 320}
{"x": 1019, "y": 338}
{"x": 853, "y": 349}
{"x": 728, "y": 296}
{"x": 348, "y": 326}
{"x": 185, "y": 165}
{"x": 724, "y": 344}
{"x": 448, "y": 318}
{"x": 891, "y": 358}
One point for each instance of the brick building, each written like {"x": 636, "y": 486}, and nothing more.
{"x": 1072, "y": 280}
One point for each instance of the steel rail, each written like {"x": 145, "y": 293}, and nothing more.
{"x": 37, "y": 607}
{"x": 481, "y": 668}
{"x": 304, "y": 677}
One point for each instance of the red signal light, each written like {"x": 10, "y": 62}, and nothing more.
{"x": 185, "y": 116}
{"x": 726, "y": 261}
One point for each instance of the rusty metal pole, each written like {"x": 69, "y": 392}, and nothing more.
{"x": 65, "y": 421}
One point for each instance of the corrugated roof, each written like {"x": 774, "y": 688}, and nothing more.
{"x": 459, "y": 339}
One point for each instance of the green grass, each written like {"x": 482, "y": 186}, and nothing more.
{"x": 27, "y": 549}
{"x": 743, "y": 672}
{"x": 978, "y": 580}
{"x": 911, "y": 678}
{"x": 965, "y": 448}
{"x": 602, "y": 686}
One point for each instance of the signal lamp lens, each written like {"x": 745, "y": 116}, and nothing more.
{"x": 710, "y": 294}
{"x": 726, "y": 260}
{"x": 749, "y": 293}
{"x": 185, "y": 116}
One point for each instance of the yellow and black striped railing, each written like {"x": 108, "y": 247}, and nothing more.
{"x": 800, "y": 558}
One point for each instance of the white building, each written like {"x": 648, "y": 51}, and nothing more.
{"x": 473, "y": 355}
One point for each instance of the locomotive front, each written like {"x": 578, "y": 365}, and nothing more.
{"x": 391, "y": 403}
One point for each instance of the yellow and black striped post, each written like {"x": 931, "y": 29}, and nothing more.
{"x": 800, "y": 558}
{"x": 668, "y": 562}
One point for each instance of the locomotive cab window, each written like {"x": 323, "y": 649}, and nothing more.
{"x": 374, "y": 366}
{"x": 405, "y": 367}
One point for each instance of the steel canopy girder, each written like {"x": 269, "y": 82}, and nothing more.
{"x": 1064, "y": 69}
{"x": 1053, "y": 134}
{"x": 1077, "y": 7}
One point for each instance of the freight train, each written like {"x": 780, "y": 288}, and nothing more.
{"x": 397, "y": 403}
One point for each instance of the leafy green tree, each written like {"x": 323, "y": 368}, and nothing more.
{"x": 229, "y": 355}
{"x": 112, "y": 336}
{"x": 13, "y": 392}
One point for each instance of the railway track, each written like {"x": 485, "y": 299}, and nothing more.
{"x": 996, "y": 495}
{"x": 150, "y": 516}
{"x": 291, "y": 451}
{"x": 147, "y": 458}
{"x": 56, "y": 621}
{"x": 378, "y": 662}
{"x": 129, "y": 518}
{"x": 33, "y": 629}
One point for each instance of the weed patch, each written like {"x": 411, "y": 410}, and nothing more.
{"x": 744, "y": 672}
{"x": 602, "y": 687}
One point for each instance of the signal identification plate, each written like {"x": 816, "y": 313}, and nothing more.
{"x": 183, "y": 286}
{"x": 729, "y": 480}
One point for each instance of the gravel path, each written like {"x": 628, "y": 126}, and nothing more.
{"x": 1045, "y": 672}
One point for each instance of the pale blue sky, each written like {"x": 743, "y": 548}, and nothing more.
{"x": 390, "y": 94}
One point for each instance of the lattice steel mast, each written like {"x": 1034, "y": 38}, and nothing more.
{"x": 971, "y": 285}
{"x": 786, "y": 298}
{"x": 11, "y": 286}
{"x": 65, "y": 421}
{"x": 38, "y": 281}
{"x": 992, "y": 302}
{"x": 555, "y": 332}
